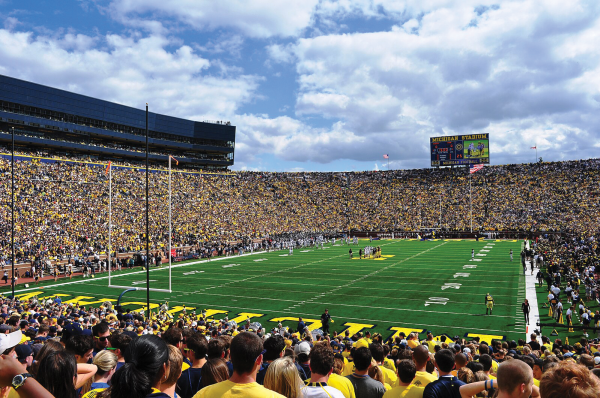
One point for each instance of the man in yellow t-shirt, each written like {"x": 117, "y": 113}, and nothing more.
{"x": 406, "y": 388}
{"x": 421, "y": 357}
{"x": 242, "y": 383}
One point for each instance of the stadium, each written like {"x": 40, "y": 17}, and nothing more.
{"x": 264, "y": 250}
{"x": 183, "y": 249}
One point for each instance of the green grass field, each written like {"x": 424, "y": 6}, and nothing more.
{"x": 416, "y": 286}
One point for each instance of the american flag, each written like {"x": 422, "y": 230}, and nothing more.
{"x": 534, "y": 147}
{"x": 386, "y": 156}
{"x": 474, "y": 168}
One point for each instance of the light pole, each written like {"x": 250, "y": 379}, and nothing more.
{"x": 12, "y": 209}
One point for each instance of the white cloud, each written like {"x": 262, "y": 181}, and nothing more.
{"x": 256, "y": 18}
{"x": 130, "y": 70}
{"x": 469, "y": 67}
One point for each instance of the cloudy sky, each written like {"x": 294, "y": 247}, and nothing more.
{"x": 330, "y": 85}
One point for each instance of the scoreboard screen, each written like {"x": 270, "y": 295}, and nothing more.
{"x": 454, "y": 150}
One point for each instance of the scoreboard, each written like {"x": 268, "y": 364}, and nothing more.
{"x": 455, "y": 150}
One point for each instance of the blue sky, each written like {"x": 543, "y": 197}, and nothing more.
{"x": 330, "y": 85}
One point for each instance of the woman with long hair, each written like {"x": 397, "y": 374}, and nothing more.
{"x": 282, "y": 377}
{"x": 57, "y": 373}
{"x": 146, "y": 367}
{"x": 214, "y": 371}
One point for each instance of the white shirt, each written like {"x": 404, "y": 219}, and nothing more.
{"x": 320, "y": 392}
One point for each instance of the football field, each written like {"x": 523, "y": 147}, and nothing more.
{"x": 415, "y": 286}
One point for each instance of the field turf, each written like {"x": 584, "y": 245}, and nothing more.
{"x": 415, "y": 286}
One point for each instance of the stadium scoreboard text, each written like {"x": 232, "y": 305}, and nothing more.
{"x": 456, "y": 150}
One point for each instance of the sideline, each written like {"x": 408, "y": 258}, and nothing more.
{"x": 137, "y": 272}
{"x": 531, "y": 295}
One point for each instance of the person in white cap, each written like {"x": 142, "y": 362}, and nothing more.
{"x": 9, "y": 341}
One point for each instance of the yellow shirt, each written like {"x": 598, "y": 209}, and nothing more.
{"x": 423, "y": 378}
{"x": 431, "y": 346}
{"x": 389, "y": 363}
{"x": 411, "y": 391}
{"x": 93, "y": 393}
{"x": 348, "y": 369}
{"x": 494, "y": 368}
{"x": 343, "y": 384}
{"x": 229, "y": 389}
{"x": 536, "y": 382}
{"x": 413, "y": 343}
{"x": 389, "y": 376}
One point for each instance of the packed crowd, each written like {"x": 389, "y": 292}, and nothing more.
{"x": 62, "y": 209}
{"x": 64, "y": 350}
{"x": 569, "y": 268}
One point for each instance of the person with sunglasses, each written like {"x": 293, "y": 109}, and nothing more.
{"x": 101, "y": 333}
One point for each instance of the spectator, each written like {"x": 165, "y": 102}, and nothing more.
{"x": 569, "y": 380}
{"x": 420, "y": 356}
{"x": 10, "y": 368}
{"x": 189, "y": 382}
{"x": 364, "y": 386}
{"x": 302, "y": 351}
{"x": 515, "y": 380}
{"x": 246, "y": 357}
{"x": 146, "y": 366}
{"x": 214, "y": 371}
{"x": 321, "y": 367}
{"x": 167, "y": 387}
{"x": 58, "y": 374}
{"x": 274, "y": 346}
{"x": 447, "y": 385}
{"x": 119, "y": 343}
{"x": 282, "y": 377}
{"x": 405, "y": 388}
{"x": 376, "y": 374}
{"x": 24, "y": 355}
{"x": 378, "y": 354}
{"x": 106, "y": 361}
{"x": 101, "y": 335}
{"x": 82, "y": 347}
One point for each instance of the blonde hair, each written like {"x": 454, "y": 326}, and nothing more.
{"x": 175, "y": 362}
{"x": 105, "y": 361}
{"x": 282, "y": 377}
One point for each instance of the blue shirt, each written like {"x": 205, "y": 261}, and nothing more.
{"x": 444, "y": 387}
{"x": 189, "y": 382}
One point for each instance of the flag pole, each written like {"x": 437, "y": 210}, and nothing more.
{"x": 536, "y": 157}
